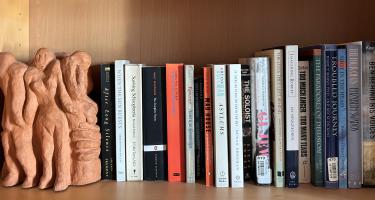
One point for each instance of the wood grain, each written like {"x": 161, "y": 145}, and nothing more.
{"x": 193, "y": 31}
{"x": 14, "y": 27}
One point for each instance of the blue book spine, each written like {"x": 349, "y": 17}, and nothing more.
{"x": 330, "y": 111}
{"x": 343, "y": 129}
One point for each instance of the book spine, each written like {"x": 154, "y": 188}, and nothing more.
{"x": 368, "y": 87}
{"x": 220, "y": 126}
{"x": 176, "y": 122}
{"x": 354, "y": 116}
{"x": 235, "y": 125}
{"x": 261, "y": 119}
{"x": 304, "y": 153}
{"x": 199, "y": 128}
{"x": 154, "y": 124}
{"x": 108, "y": 153}
{"x": 246, "y": 120}
{"x": 343, "y": 131}
{"x": 209, "y": 155}
{"x": 133, "y": 120}
{"x": 291, "y": 116}
{"x": 189, "y": 123}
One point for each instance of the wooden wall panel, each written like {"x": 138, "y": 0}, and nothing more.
{"x": 193, "y": 31}
{"x": 14, "y": 27}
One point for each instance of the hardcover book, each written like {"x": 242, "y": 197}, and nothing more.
{"x": 154, "y": 124}
{"x": 208, "y": 136}
{"x": 133, "y": 121}
{"x": 261, "y": 119}
{"x": 176, "y": 122}
{"x": 219, "y": 88}
{"x": 199, "y": 126}
{"x": 343, "y": 130}
{"x": 235, "y": 125}
{"x": 277, "y": 107}
{"x": 304, "y": 120}
{"x": 120, "y": 118}
{"x": 189, "y": 123}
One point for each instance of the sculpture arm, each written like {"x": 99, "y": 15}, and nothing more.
{"x": 65, "y": 99}
{"x": 17, "y": 93}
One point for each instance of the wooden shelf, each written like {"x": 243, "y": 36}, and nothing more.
{"x": 179, "y": 191}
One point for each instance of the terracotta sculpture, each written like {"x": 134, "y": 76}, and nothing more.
{"x": 50, "y": 135}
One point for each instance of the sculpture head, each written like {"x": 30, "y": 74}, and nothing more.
{"x": 42, "y": 58}
{"x": 81, "y": 59}
{"x": 6, "y": 60}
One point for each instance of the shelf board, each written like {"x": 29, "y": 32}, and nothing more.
{"x": 178, "y": 191}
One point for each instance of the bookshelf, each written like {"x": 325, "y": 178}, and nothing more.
{"x": 191, "y": 31}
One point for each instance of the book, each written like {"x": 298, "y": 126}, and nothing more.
{"x": 277, "y": 108}
{"x": 314, "y": 55}
{"x": 208, "y": 135}
{"x": 343, "y": 130}
{"x": 154, "y": 124}
{"x": 235, "y": 125}
{"x": 133, "y": 121}
{"x": 368, "y": 112}
{"x": 221, "y": 159}
{"x": 304, "y": 120}
{"x": 176, "y": 122}
{"x": 261, "y": 119}
{"x": 120, "y": 118}
{"x": 189, "y": 123}
{"x": 199, "y": 126}
{"x": 354, "y": 107}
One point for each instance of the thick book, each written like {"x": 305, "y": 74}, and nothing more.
{"x": 314, "y": 56}
{"x": 343, "y": 128}
{"x": 304, "y": 120}
{"x": 354, "y": 95}
{"x": 261, "y": 119}
{"x": 368, "y": 112}
{"x": 176, "y": 122}
{"x": 235, "y": 125}
{"x": 189, "y": 123}
{"x": 154, "y": 124}
{"x": 120, "y": 118}
{"x": 199, "y": 126}
{"x": 208, "y": 135}
{"x": 220, "y": 125}
{"x": 277, "y": 107}
{"x": 133, "y": 121}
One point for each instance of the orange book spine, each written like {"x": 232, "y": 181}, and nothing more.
{"x": 175, "y": 122}
{"x": 207, "y": 95}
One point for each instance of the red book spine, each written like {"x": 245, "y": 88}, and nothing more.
{"x": 175, "y": 122}
{"x": 207, "y": 95}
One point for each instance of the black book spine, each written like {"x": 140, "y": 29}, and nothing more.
{"x": 199, "y": 128}
{"x": 108, "y": 148}
{"x": 246, "y": 120}
{"x": 154, "y": 124}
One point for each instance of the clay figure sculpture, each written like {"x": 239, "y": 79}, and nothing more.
{"x": 50, "y": 136}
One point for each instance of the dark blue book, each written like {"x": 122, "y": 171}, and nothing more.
{"x": 343, "y": 129}
{"x": 199, "y": 128}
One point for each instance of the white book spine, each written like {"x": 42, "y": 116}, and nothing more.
{"x": 235, "y": 125}
{"x": 304, "y": 153}
{"x": 120, "y": 119}
{"x": 133, "y": 119}
{"x": 220, "y": 126}
{"x": 189, "y": 123}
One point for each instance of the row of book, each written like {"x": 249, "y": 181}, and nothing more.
{"x": 286, "y": 116}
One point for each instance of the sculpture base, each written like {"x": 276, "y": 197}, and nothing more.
{"x": 86, "y": 172}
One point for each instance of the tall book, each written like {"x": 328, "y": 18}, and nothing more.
{"x": 261, "y": 119}
{"x": 107, "y": 120}
{"x": 120, "y": 118}
{"x": 343, "y": 128}
{"x": 353, "y": 56}
{"x": 208, "y": 136}
{"x": 199, "y": 126}
{"x": 154, "y": 124}
{"x": 277, "y": 107}
{"x": 368, "y": 112}
{"x": 189, "y": 123}
{"x": 314, "y": 55}
{"x": 219, "y": 88}
{"x": 235, "y": 125}
{"x": 176, "y": 122}
{"x": 304, "y": 120}
{"x": 133, "y": 121}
